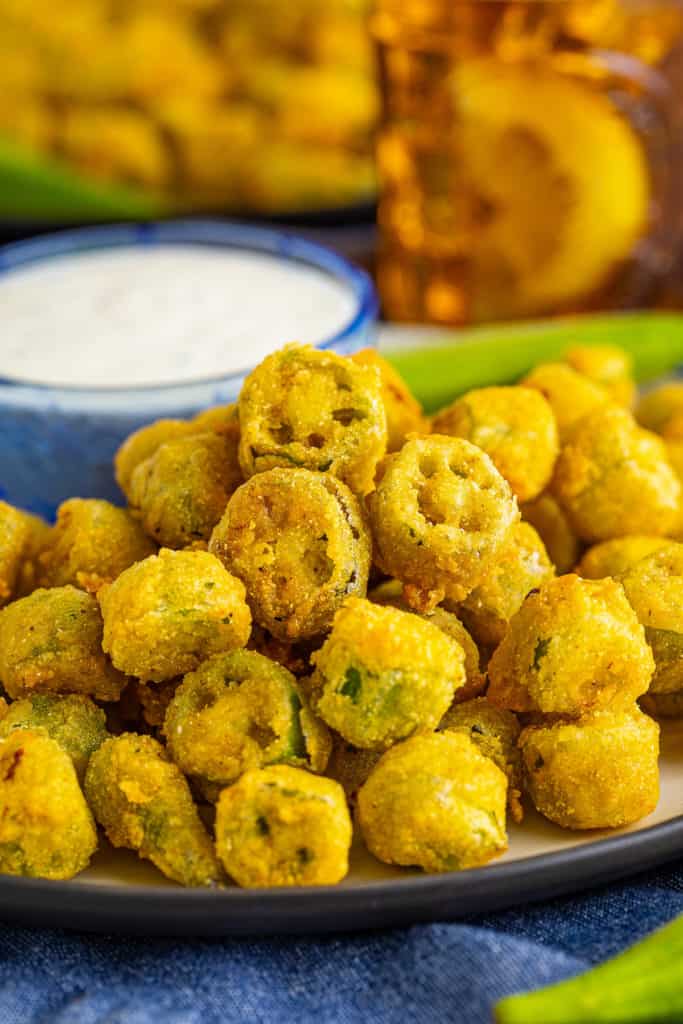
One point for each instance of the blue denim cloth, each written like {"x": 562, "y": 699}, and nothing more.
{"x": 423, "y": 975}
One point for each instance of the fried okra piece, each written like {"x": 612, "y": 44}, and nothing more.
{"x": 241, "y": 711}
{"x": 608, "y": 366}
{"x": 515, "y": 426}
{"x": 223, "y": 419}
{"x": 39, "y": 536}
{"x": 383, "y": 673}
{"x": 598, "y": 772}
{"x": 391, "y": 593}
{"x": 180, "y": 492}
{"x": 522, "y": 565}
{"x": 574, "y": 646}
{"x": 440, "y": 515}
{"x": 22, "y": 537}
{"x": 404, "y": 413}
{"x": 553, "y": 527}
{"x": 142, "y": 444}
{"x": 661, "y": 410}
{"x": 298, "y": 542}
{"x": 46, "y": 828}
{"x": 72, "y": 721}
{"x": 674, "y": 451}
{"x": 282, "y": 826}
{"x": 614, "y": 557}
{"x": 475, "y": 678}
{"x": 14, "y": 534}
{"x": 313, "y": 409}
{"x": 654, "y": 588}
{"x": 143, "y": 802}
{"x": 435, "y": 802}
{"x": 91, "y": 544}
{"x": 614, "y": 479}
{"x": 51, "y": 642}
{"x": 495, "y": 732}
{"x": 571, "y": 395}
{"x": 166, "y": 614}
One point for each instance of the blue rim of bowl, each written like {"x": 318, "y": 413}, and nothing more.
{"x": 221, "y": 234}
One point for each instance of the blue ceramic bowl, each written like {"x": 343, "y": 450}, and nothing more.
{"x": 58, "y": 442}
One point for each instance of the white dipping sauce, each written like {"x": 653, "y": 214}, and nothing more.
{"x": 160, "y": 315}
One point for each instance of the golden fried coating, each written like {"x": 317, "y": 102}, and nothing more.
{"x": 299, "y": 543}
{"x": 51, "y": 642}
{"x": 391, "y": 592}
{"x": 553, "y": 527}
{"x": 40, "y": 535}
{"x": 404, "y": 413}
{"x": 522, "y": 564}
{"x": 314, "y": 409}
{"x": 110, "y": 143}
{"x": 241, "y": 711}
{"x": 571, "y": 395}
{"x": 614, "y": 557}
{"x": 223, "y": 419}
{"x": 162, "y": 53}
{"x": 383, "y": 673}
{"x": 475, "y": 677}
{"x": 46, "y": 828}
{"x": 434, "y": 801}
{"x": 614, "y": 479}
{"x": 142, "y": 444}
{"x": 598, "y": 772}
{"x": 495, "y": 732}
{"x": 180, "y": 492}
{"x": 282, "y": 826}
{"x": 14, "y": 534}
{"x": 674, "y": 451}
{"x": 143, "y": 802}
{"x": 72, "y": 721}
{"x": 574, "y": 646}
{"x": 166, "y": 614}
{"x": 608, "y": 366}
{"x": 661, "y": 410}
{"x": 22, "y": 538}
{"x": 91, "y": 544}
{"x": 654, "y": 588}
{"x": 515, "y": 426}
{"x": 439, "y": 516}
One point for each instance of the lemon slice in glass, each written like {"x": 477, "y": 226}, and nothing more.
{"x": 562, "y": 181}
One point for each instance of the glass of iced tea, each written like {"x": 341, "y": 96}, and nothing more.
{"x": 526, "y": 154}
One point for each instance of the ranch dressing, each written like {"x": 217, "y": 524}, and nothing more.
{"x": 161, "y": 314}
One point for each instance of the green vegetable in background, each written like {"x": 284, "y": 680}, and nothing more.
{"x": 644, "y": 985}
{"x": 38, "y": 188}
{"x": 502, "y": 353}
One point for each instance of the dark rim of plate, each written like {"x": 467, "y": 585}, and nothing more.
{"x": 559, "y": 871}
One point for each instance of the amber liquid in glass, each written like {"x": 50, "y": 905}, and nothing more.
{"x": 525, "y": 155}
